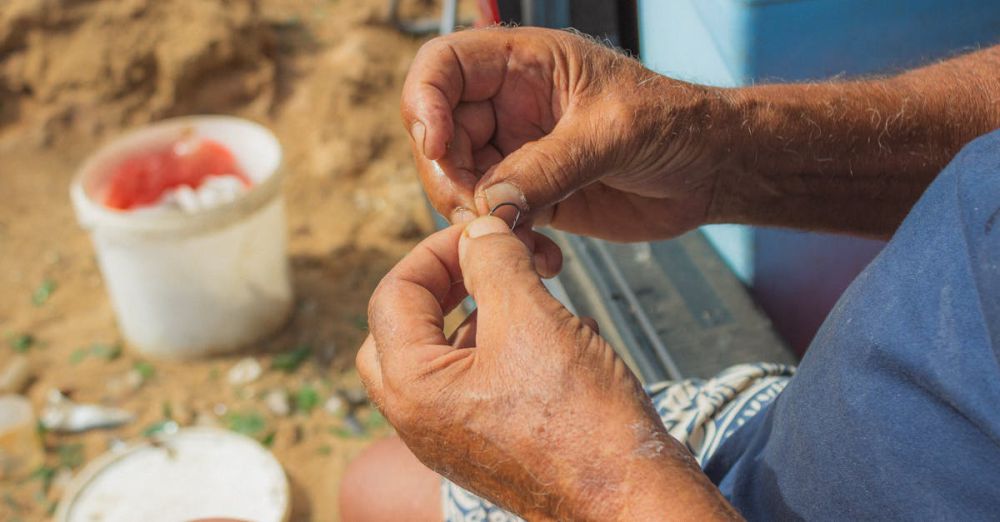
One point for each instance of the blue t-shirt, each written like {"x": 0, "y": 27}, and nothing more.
{"x": 895, "y": 411}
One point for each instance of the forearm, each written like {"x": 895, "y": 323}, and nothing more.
{"x": 640, "y": 474}
{"x": 676, "y": 491}
{"x": 850, "y": 156}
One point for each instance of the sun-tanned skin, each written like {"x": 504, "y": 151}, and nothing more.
{"x": 852, "y": 156}
{"x": 549, "y": 380}
{"x": 528, "y": 405}
{"x": 655, "y": 156}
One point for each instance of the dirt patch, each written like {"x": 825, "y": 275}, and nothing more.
{"x": 325, "y": 76}
{"x": 96, "y": 66}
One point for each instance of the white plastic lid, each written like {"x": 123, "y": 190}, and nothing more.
{"x": 195, "y": 473}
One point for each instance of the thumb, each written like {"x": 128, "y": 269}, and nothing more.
{"x": 499, "y": 273}
{"x": 542, "y": 173}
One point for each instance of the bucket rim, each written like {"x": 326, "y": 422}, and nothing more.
{"x": 91, "y": 214}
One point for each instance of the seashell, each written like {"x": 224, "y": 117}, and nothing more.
{"x": 277, "y": 402}
{"x": 245, "y": 371}
{"x": 334, "y": 405}
{"x": 65, "y": 416}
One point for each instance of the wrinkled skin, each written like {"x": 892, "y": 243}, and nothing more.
{"x": 526, "y": 404}
{"x": 581, "y": 137}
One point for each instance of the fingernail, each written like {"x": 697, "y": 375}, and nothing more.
{"x": 418, "y": 131}
{"x": 480, "y": 227}
{"x": 505, "y": 193}
{"x": 461, "y": 215}
{"x": 486, "y": 225}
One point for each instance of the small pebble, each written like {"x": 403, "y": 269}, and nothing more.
{"x": 333, "y": 405}
{"x": 245, "y": 371}
{"x": 125, "y": 385}
{"x": 134, "y": 379}
{"x": 277, "y": 401}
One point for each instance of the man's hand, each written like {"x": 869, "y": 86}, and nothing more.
{"x": 526, "y": 405}
{"x": 590, "y": 140}
{"x": 570, "y": 131}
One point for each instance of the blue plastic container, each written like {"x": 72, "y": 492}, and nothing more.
{"x": 797, "y": 276}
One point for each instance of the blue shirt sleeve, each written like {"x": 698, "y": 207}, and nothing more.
{"x": 895, "y": 411}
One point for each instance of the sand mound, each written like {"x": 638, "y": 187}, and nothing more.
{"x": 91, "y": 65}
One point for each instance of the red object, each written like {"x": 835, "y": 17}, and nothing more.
{"x": 489, "y": 13}
{"x": 141, "y": 179}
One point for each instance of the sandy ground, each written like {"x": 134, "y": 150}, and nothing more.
{"x": 325, "y": 76}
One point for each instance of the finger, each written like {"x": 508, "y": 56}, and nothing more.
{"x": 408, "y": 306}
{"x": 591, "y": 323}
{"x": 449, "y": 183}
{"x": 469, "y": 65}
{"x": 547, "y": 256}
{"x": 542, "y": 173}
{"x": 478, "y": 121}
{"x": 498, "y": 271}
{"x": 370, "y": 371}
{"x": 450, "y": 180}
{"x": 485, "y": 158}
{"x": 545, "y": 253}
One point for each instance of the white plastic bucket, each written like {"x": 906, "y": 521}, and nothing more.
{"x": 187, "y": 285}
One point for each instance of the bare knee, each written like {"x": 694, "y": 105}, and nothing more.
{"x": 387, "y": 482}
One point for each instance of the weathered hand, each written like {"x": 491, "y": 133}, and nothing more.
{"x": 581, "y": 136}
{"x": 527, "y": 405}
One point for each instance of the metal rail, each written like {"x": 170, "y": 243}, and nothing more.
{"x": 652, "y": 336}
{"x": 592, "y": 277}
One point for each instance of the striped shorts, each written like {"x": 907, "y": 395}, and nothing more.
{"x": 701, "y": 414}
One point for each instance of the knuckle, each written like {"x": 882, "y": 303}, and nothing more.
{"x": 383, "y": 295}
{"x": 575, "y": 336}
{"x": 438, "y": 49}
{"x": 431, "y": 46}
{"x": 364, "y": 370}
{"x": 375, "y": 302}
